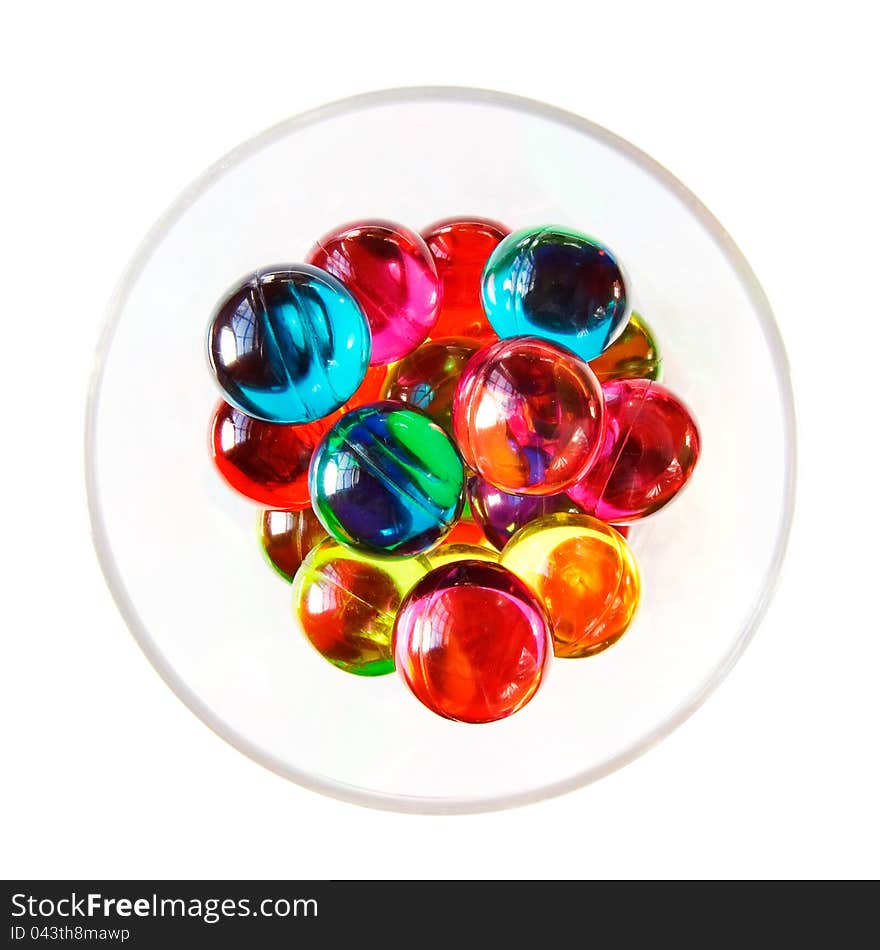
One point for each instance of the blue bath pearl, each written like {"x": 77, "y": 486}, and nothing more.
{"x": 289, "y": 344}
{"x": 556, "y": 284}
{"x": 387, "y": 479}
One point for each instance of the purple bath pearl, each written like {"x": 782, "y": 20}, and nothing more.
{"x": 502, "y": 514}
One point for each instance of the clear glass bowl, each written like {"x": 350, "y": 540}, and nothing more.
{"x": 179, "y": 549}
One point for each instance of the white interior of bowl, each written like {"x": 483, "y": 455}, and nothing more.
{"x": 179, "y": 548}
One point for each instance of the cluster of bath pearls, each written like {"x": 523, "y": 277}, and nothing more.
{"x": 450, "y": 434}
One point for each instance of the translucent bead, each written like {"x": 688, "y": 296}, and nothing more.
{"x": 584, "y": 574}
{"x": 289, "y": 345}
{"x": 391, "y": 272}
{"x": 557, "y": 284}
{"x": 472, "y": 642}
{"x": 346, "y": 602}
{"x": 502, "y": 514}
{"x": 649, "y": 452}
{"x": 427, "y": 378}
{"x": 633, "y": 355}
{"x": 461, "y": 247}
{"x": 264, "y": 461}
{"x": 528, "y": 416}
{"x": 388, "y": 479}
{"x": 286, "y": 537}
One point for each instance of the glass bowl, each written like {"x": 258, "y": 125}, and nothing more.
{"x": 179, "y": 548}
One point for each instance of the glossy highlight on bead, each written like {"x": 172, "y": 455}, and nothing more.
{"x": 460, "y": 248}
{"x": 391, "y": 273}
{"x": 585, "y": 575}
{"x": 264, "y": 461}
{"x": 649, "y": 452}
{"x": 346, "y": 601}
{"x": 472, "y": 642}
{"x": 557, "y": 284}
{"x": 528, "y": 416}
{"x": 388, "y": 479}
{"x": 288, "y": 344}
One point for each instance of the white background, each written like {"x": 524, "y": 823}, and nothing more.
{"x": 766, "y": 111}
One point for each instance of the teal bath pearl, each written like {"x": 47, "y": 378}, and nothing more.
{"x": 289, "y": 344}
{"x": 556, "y": 284}
{"x": 387, "y": 479}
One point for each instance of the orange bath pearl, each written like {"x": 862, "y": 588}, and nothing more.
{"x": 584, "y": 574}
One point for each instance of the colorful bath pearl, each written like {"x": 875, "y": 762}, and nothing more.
{"x": 427, "y": 378}
{"x": 585, "y": 575}
{"x": 447, "y": 553}
{"x": 388, "y": 479}
{"x": 650, "y": 448}
{"x": 452, "y": 434}
{"x": 391, "y": 273}
{"x": 502, "y": 514}
{"x": 346, "y": 601}
{"x": 286, "y": 537}
{"x": 633, "y": 355}
{"x": 528, "y": 416}
{"x": 264, "y": 461}
{"x": 461, "y": 247}
{"x": 557, "y": 284}
{"x": 289, "y": 345}
{"x": 471, "y": 641}
{"x": 467, "y": 531}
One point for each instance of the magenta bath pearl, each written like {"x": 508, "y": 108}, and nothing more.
{"x": 391, "y": 273}
{"x": 650, "y": 449}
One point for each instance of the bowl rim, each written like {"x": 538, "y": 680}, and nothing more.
{"x": 101, "y": 540}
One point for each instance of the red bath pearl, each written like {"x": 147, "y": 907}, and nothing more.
{"x": 471, "y": 641}
{"x": 391, "y": 273}
{"x": 461, "y": 247}
{"x": 265, "y": 461}
{"x": 650, "y": 449}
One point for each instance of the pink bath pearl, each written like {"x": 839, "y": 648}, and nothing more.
{"x": 392, "y": 275}
{"x": 650, "y": 449}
